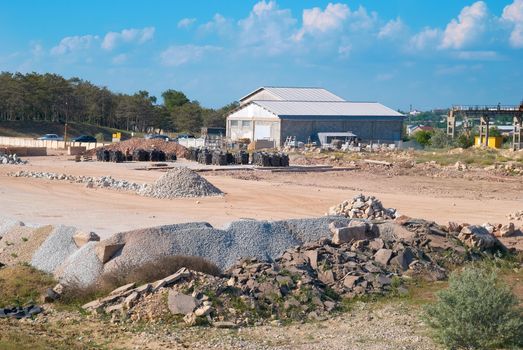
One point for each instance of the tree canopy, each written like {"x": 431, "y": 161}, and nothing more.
{"x": 51, "y": 97}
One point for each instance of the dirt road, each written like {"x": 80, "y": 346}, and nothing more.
{"x": 265, "y": 196}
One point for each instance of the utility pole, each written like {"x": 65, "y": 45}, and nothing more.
{"x": 65, "y": 128}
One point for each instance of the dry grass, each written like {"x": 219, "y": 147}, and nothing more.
{"x": 22, "y": 284}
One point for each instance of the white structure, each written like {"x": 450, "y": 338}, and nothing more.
{"x": 275, "y": 113}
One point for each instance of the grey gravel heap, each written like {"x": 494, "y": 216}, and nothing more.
{"x": 361, "y": 206}
{"x": 58, "y": 246}
{"x": 180, "y": 182}
{"x": 11, "y": 159}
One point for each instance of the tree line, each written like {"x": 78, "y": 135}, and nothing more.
{"x": 51, "y": 97}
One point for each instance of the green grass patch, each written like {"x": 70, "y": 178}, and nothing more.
{"x": 22, "y": 284}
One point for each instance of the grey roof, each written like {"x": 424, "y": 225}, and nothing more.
{"x": 327, "y": 109}
{"x": 298, "y": 94}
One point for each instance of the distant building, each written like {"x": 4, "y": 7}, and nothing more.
{"x": 412, "y": 129}
{"x": 276, "y": 113}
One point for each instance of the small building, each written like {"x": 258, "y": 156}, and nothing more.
{"x": 276, "y": 113}
{"x": 411, "y": 130}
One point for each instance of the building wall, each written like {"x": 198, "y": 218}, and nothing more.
{"x": 367, "y": 130}
{"x": 243, "y": 123}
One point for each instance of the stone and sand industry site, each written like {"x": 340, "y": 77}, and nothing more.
{"x": 362, "y": 191}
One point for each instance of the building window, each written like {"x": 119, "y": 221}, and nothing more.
{"x": 246, "y": 123}
{"x": 234, "y": 123}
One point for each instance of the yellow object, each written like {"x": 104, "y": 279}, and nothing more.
{"x": 493, "y": 141}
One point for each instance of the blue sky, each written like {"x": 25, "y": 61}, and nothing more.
{"x": 428, "y": 54}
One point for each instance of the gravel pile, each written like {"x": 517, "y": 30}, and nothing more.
{"x": 11, "y": 159}
{"x": 180, "y": 182}
{"x": 145, "y": 144}
{"x": 89, "y": 181}
{"x": 259, "y": 239}
{"x": 81, "y": 268}
{"x": 55, "y": 249}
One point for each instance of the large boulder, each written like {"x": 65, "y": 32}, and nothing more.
{"x": 180, "y": 304}
{"x": 475, "y": 236}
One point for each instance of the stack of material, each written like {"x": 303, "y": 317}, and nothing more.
{"x": 178, "y": 183}
{"x": 361, "y": 206}
{"x": 265, "y": 159}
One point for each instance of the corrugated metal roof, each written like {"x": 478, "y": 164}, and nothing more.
{"x": 298, "y": 94}
{"x": 332, "y": 109}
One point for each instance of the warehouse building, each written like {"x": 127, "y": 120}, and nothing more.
{"x": 276, "y": 113}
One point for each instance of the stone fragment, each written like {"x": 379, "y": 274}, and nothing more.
{"x": 224, "y": 324}
{"x": 131, "y": 299}
{"x": 403, "y": 259}
{"x": 123, "y": 289}
{"x": 81, "y": 238}
{"x": 354, "y": 232}
{"x": 475, "y": 236}
{"x": 505, "y": 230}
{"x": 203, "y": 311}
{"x": 350, "y": 281}
{"x": 383, "y": 256}
{"x": 326, "y": 277}
{"x": 106, "y": 251}
{"x": 180, "y": 304}
{"x": 376, "y": 244}
{"x": 312, "y": 255}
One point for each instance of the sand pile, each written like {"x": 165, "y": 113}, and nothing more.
{"x": 168, "y": 147}
{"x": 178, "y": 183}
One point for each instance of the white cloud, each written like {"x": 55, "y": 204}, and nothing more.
{"x": 317, "y": 21}
{"x": 469, "y": 25}
{"x": 140, "y": 36}
{"x": 392, "y": 29}
{"x": 73, "y": 43}
{"x": 385, "y": 76}
{"x": 513, "y": 13}
{"x": 426, "y": 38}
{"x": 119, "y": 59}
{"x": 267, "y": 28}
{"x": 177, "y": 55}
{"x": 478, "y": 55}
{"x": 218, "y": 25}
{"x": 345, "y": 50}
{"x": 186, "y": 22}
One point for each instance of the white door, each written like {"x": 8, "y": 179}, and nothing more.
{"x": 262, "y": 132}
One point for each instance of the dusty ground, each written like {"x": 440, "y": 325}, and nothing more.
{"x": 391, "y": 325}
{"x": 259, "y": 195}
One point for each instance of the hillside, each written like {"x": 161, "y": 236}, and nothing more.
{"x": 34, "y": 129}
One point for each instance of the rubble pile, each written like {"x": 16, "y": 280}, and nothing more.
{"x": 517, "y": 215}
{"x": 361, "y": 206}
{"x": 169, "y": 148}
{"x": 180, "y": 182}
{"x": 11, "y": 159}
{"x": 305, "y": 282}
{"x": 89, "y": 181}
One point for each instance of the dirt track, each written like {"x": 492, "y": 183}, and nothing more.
{"x": 268, "y": 196}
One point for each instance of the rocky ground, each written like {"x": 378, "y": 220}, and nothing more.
{"x": 383, "y": 325}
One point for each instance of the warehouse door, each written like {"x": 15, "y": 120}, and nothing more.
{"x": 262, "y": 132}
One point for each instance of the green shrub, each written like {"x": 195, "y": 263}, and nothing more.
{"x": 464, "y": 140}
{"x": 476, "y": 311}
{"x": 423, "y": 137}
{"x": 99, "y": 137}
{"x": 439, "y": 139}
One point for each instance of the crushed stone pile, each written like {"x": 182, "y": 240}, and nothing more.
{"x": 82, "y": 268}
{"x": 168, "y": 147}
{"x": 89, "y": 181}
{"x": 308, "y": 281}
{"x": 361, "y": 206}
{"x": 265, "y": 240}
{"x": 11, "y": 159}
{"x": 58, "y": 246}
{"x": 7, "y": 223}
{"x": 178, "y": 183}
